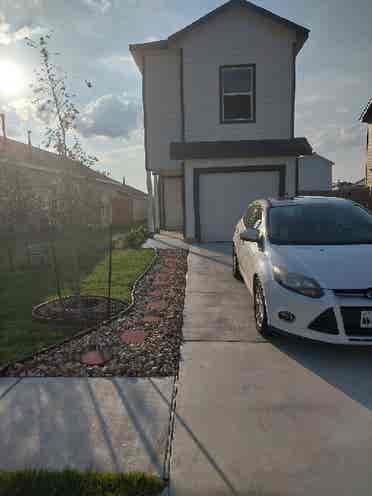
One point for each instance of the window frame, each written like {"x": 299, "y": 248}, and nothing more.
{"x": 252, "y": 67}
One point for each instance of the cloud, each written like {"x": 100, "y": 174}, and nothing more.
{"x": 333, "y": 136}
{"x": 110, "y": 116}
{"x": 99, "y": 5}
{"x": 121, "y": 63}
{"x": 9, "y": 35}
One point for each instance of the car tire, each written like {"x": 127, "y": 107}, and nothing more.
{"x": 259, "y": 306}
{"x": 235, "y": 266}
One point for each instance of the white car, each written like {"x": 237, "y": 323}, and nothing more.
{"x": 308, "y": 263}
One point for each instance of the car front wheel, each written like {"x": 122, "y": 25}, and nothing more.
{"x": 260, "y": 314}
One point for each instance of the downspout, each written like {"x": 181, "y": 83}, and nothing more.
{"x": 150, "y": 204}
{"x": 150, "y": 198}
{"x": 156, "y": 200}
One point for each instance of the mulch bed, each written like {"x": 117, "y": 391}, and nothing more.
{"x": 153, "y": 350}
{"x": 69, "y": 311}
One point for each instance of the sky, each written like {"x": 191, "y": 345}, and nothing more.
{"x": 334, "y": 72}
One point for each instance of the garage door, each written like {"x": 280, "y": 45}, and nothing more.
{"x": 224, "y": 196}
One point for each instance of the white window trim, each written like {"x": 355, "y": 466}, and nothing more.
{"x": 251, "y": 93}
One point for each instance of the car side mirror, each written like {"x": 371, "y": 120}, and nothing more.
{"x": 250, "y": 234}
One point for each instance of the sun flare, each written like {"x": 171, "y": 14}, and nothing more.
{"x": 12, "y": 79}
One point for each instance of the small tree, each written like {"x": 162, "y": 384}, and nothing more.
{"x": 75, "y": 205}
{"x": 56, "y": 105}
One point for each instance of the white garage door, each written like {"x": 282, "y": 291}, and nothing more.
{"x": 224, "y": 197}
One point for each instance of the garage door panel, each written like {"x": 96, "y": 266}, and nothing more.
{"x": 224, "y": 197}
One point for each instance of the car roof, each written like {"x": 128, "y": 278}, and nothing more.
{"x": 305, "y": 200}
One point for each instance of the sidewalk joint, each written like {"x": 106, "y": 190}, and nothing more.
{"x": 8, "y": 389}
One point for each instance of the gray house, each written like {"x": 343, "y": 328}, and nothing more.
{"x": 219, "y": 102}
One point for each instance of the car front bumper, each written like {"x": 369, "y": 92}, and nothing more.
{"x": 306, "y": 310}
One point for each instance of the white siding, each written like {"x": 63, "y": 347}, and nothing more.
{"x": 238, "y": 37}
{"x": 162, "y": 107}
{"x": 172, "y": 201}
{"x": 314, "y": 174}
{"x": 369, "y": 156}
{"x": 190, "y": 165}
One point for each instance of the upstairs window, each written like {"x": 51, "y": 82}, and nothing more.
{"x": 237, "y": 93}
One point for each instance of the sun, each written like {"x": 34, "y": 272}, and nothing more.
{"x": 12, "y": 79}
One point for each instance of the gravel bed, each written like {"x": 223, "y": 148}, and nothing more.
{"x": 157, "y": 356}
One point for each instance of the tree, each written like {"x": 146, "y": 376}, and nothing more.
{"x": 74, "y": 205}
{"x": 56, "y": 105}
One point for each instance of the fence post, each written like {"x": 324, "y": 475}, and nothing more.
{"x": 109, "y": 273}
{"x": 55, "y": 266}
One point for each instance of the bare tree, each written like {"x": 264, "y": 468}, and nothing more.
{"x": 56, "y": 104}
{"x": 74, "y": 206}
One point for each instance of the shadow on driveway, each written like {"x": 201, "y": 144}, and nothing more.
{"x": 348, "y": 368}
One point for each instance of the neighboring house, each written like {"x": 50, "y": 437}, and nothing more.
{"x": 219, "y": 103}
{"x": 315, "y": 173}
{"x": 42, "y": 170}
{"x": 367, "y": 118}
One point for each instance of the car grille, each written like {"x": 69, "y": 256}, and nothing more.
{"x": 326, "y": 322}
{"x": 351, "y": 317}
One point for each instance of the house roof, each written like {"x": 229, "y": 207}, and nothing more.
{"x": 138, "y": 48}
{"x": 25, "y": 155}
{"x": 366, "y": 115}
{"x": 240, "y": 149}
{"x": 316, "y": 155}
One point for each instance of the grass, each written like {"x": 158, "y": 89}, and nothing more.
{"x": 74, "y": 483}
{"x": 20, "y": 290}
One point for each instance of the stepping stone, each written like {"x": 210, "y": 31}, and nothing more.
{"x": 133, "y": 337}
{"x": 151, "y": 319}
{"x": 156, "y": 293}
{"x": 171, "y": 265}
{"x": 161, "y": 284}
{"x": 95, "y": 357}
{"x": 157, "y": 306}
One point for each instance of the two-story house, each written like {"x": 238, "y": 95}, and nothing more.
{"x": 219, "y": 103}
{"x": 366, "y": 117}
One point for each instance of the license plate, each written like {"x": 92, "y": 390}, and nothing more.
{"x": 366, "y": 319}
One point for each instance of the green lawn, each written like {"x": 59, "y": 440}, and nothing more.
{"x": 75, "y": 483}
{"x": 23, "y": 289}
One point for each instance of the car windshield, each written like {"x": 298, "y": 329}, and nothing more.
{"x": 320, "y": 224}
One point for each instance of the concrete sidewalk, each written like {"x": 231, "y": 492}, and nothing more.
{"x": 106, "y": 424}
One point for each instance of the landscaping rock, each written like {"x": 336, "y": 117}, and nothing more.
{"x": 159, "y": 353}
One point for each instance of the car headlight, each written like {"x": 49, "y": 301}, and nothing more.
{"x": 297, "y": 282}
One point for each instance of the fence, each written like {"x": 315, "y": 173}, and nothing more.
{"x": 360, "y": 195}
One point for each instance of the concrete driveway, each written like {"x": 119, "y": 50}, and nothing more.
{"x": 285, "y": 417}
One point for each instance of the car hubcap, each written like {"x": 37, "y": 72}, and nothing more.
{"x": 259, "y": 307}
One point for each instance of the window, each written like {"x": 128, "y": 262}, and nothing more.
{"x": 237, "y": 93}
